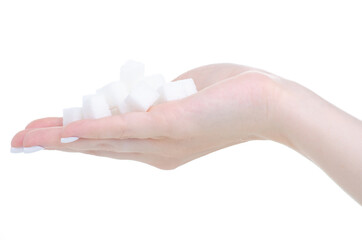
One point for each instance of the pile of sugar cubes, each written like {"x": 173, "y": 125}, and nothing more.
{"x": 134, "y": 92}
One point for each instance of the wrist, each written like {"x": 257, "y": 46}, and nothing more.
{"x": 281, "y": 105}
{"x": 294, "y": 109}
{"x": 263, "y": 96}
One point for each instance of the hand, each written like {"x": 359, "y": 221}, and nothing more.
{"x": 234, "y": 104}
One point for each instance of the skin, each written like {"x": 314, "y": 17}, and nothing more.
{"x": 234, "y": 104}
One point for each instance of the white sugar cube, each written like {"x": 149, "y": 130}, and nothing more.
{"x": 71, "y": 115}
{"x": 189, "y": 86}
{"x": 114, "y": 92}
{"x": 131, "y": 73}
{"x": 123, "y": 108}
{"x": 141, "y": 98}
{"x": 95, "y": 106}
{"x": 177, "y": 90}
{"x": 155, "y": 81}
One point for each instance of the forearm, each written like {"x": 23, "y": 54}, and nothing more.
{"x": 329, "y": 137}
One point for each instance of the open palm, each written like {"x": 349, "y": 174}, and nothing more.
{"x": 232, "y": 106}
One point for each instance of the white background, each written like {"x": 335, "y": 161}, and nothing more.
{"x": 53, "y": 52}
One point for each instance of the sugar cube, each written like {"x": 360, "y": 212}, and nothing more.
{"x": 124, "y": 108}
{"x": 141, "y": 98}
{"x": 114, "y": 92}
{"x": 155, "y": 81}
{"x": 177, "y": 90}
{"x": 95, "y": 106}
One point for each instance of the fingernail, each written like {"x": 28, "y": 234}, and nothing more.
{"x": 16, "y": 150}
{"x": 32, "y": 149}
{"x": 68, "y": 139}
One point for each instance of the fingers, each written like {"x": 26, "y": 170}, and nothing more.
{"x": 49, "y": 138}
{"x": 45, "y": 137}
{"x": 17, "y": 140}
{"x": 46, "y": 122}
{"x": 130, "y": 125}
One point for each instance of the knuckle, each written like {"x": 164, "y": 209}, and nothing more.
{"x": 120, "y": 131}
